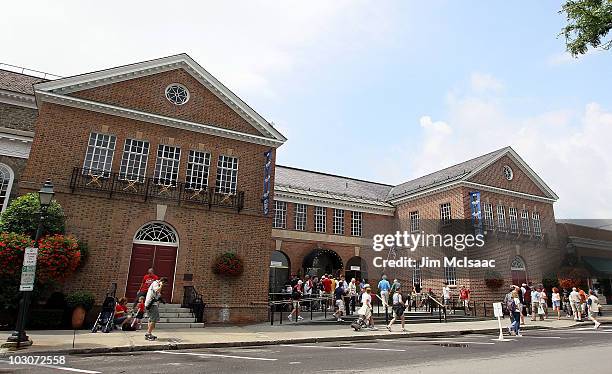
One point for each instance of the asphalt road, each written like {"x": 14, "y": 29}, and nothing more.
{"x": 540, "y": 351}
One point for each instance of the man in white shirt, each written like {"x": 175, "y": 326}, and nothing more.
{"x": 535, "y": 303}
{"x": 152, "y": 305}
{"x": 446, "y": 294}
{"x": 352, "y": 294}
{"x": 574, "y": 298}
{"x": 366, "y": 301}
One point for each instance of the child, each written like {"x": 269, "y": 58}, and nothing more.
{"x": 140, "y": 309}
{"x": 339, "y": 295}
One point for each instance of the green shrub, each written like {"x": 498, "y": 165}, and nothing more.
{"x": 22, "y": 216}
{"x": 83, "y": 298}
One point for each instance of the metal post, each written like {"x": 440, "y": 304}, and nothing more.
{"x": 19, "y": 335}
{"x": 271, "y": 315}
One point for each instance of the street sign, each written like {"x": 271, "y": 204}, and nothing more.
{"x": 497, "y": 310}
{"x": 276, "y": 263}
{"x": 356, "y": 268}
{"x": 28, "y": 270}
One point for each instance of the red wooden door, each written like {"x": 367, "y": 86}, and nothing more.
{"x": 165, "y": 259}
{"x": 144, "y": 256}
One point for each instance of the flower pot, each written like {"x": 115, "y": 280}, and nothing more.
{"x": 78, "y": 317}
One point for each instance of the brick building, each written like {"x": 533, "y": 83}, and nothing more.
{"x": 332, "y": 220}
{"x": 158, "y": 164}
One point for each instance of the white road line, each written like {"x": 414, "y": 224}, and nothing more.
{"x": 444, "y": 342}
{"x": 59, "y": 368}
{"x": 541, "y": 337}
{"x": 344, "y": 347}
{"x": 218, "y": 355}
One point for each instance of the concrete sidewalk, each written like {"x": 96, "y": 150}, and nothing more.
{"x": 83, "y": 341}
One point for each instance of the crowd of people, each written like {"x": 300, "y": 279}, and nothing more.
{"x": 529, "y": 301}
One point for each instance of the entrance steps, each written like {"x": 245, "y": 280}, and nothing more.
{"x": 173, "y": 316}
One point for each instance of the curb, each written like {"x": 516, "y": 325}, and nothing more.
{"x": 179, "y": 346}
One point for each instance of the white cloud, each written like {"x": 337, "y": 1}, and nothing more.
{"x": 482, "y": 82}
{"x": 568, "y": 148}
{"x": 248, "y": 45}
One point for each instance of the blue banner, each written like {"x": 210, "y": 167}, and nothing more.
{"x": 476, "y": 212}
{"x": 266, "y": 183}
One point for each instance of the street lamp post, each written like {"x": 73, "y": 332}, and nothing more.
{"x": 19, "y": 336}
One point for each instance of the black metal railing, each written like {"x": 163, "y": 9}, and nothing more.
{"x": 153, "y": 188}
{"x": 194, "y": 301}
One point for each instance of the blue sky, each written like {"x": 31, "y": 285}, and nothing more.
{"x": 377, "y": 90}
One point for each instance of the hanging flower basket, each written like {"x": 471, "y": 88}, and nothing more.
{"x": 58, "y": 257}
{"x": 12, "y": 247}
{"x": 228, "y": 264}
{"x": 493, "y": 279}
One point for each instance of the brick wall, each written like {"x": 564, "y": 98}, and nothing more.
{"x": 16, "y": 117}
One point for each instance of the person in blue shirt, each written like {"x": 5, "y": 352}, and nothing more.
{"x": 383, "y": 288}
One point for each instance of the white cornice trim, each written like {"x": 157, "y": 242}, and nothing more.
{"x": 509, "y": 192}
{"x": 320, "y": 237}
{"x": 17, "y": 99}
{"x": 181, "y": 61}
{"x": 152, "y": 118}
{"x": 591, "y": 243}
{"x": 517, "y": 159}
{"x": 478, "y": 186}
{"x": 293, "y": 197}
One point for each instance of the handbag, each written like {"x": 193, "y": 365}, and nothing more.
{"x": 540, "y": 309}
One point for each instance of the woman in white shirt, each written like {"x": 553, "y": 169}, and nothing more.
{"x": 556, "y": 302}
{"x": 398, "y": 309}
{"x": 593, "y": 303}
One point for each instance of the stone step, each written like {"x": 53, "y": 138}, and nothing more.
{"x": 175, "y": 315}
{"x": 179, "y": 325}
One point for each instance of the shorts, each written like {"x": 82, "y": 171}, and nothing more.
{"x": 340, "y": 304}
{"x": 153, "y": 313}
{"x": 556, "y": 303}
{"x": 296, "y": 304}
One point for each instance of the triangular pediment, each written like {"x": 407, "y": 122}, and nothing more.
{"x": 138, "y": 90}
{"x": 523, "y": 179}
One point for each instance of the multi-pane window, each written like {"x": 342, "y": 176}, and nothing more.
{"x": 167, "y": 165}
{"x": 300, "y": 217}
{"x": 537, "y": 226}
{"x": 450, "y": 273}
{"x": 488, "y": 216}
{"x": 512, "y": 214}
{"x": 134, "y": 160}
{"x": 339, "y": 221}
{"x": 525, "y": 222}
{"x": 198, "y": 167}
{"x": 414, "y": 221}
{"x": 416, "y": 274}
{"x": 227, "y": 174}
{"x": 99, "y": 156}
{"x": 320, "y": 217}
{"x": 280, "y": 215}
{"x": 501, "y": 218}
{"x": 445, "y": 213}
{"x": 356, "y": 223}
{"x": 6, "y": 183}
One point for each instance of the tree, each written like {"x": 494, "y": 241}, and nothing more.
{"x": 21, "y": 217}
{"x": 588, "y": 22}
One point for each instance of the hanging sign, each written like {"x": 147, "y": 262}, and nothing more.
{"x": 266, "y": 183}
{"x": 28, "y": 270}
{"x": 476, "y": 213}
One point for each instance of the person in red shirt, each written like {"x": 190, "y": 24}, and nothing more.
{"x": 121, "y": 311}
{"x": 140, "y": 310}
{"x": 327, "y": 284}
{"x": 148, "y": 278}
{"x": 464, "y": 295}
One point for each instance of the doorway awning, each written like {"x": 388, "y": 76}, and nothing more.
{"x": 599, "y": 265}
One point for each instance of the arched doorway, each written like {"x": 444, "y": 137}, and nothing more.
{"x": 322, "y": 261}
{"x": 279, "y": 271}
{"x": 356, "y": 268}
{"x": 519, "y": 271}
{"x": 155, "y": 245}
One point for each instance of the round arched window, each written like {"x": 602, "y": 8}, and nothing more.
{"x": 177, "y": 94}
{"x": 156, "y": 233}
